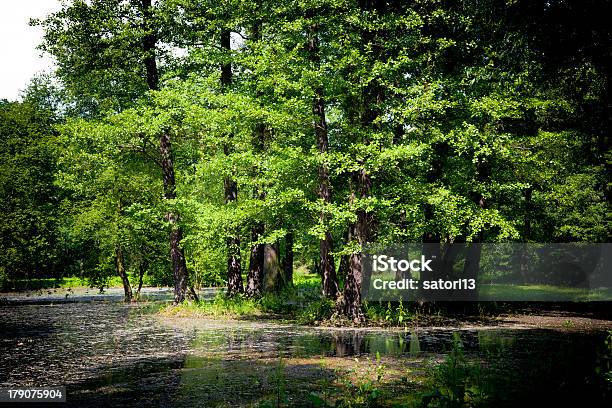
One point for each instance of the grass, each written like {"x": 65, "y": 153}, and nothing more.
{"x": 220, "y": 306}
{"x": 301, "y": 302}
{"x": 53, "y": 283}
{"x": 457, "y": 381}
{"x": 542, "y": 293}
{"x": 500, "y": 292}
{"x": 67, "y": 282}
{"x": 391, "y": 314}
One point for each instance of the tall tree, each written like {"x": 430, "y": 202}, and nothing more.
{"x": 326, "y": 260}
{"x": 179, "y": 266}
{"x": 230, "y": 187}
{"x": 107, "y": 53}
{"x": 255, "y": 277}
{"x": 370, "y": 101}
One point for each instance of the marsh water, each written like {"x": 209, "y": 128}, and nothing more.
{"x": 107, "y": 352}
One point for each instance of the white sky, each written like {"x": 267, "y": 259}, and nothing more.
{"x": 18, "y": 41}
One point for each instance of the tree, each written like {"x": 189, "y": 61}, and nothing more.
{"x": 340, "y": 124}
{"x": 107, "y": 53}
{"x": 326, "y": 260}
{"x": 31, "y": 245}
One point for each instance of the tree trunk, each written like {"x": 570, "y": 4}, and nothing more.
{"x": 120, "y": 266}
{"x": 179, "y": 266}
{"x": 343, "y": 268}
{"x": 273, "y": 274}
{"x": 327, "y": 267}
{"x": 149, "y": 44}
{"x": 256, "y": 264}
{"x": 234, "y": 270}
{"x": 230, "y": 187}
{"x": 350, "y": 303}
{"x": 523, "y": 258}
{"x": 472, "y": 260}
{"x": 361, "y": 231}
{"x": 255, "y": 275}
{"x": 288, "y": 260}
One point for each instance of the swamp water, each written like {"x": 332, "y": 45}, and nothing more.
{"x": 122, "y": 355}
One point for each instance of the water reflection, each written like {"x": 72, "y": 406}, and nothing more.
{"x": 495, "y": 341}
{"x": 415, "y": 346}
{"x": 308, "y": 342}
{"x": 111, "y": 354}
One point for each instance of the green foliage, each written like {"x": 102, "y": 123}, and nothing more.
{"x": 316, "y": 311}
{"x": 457, "y": 381}
{"x": 97, "y": 48}
{"x": 301, "y": 302}
{"x": 472, "y": 120}
{"x": 396, "y": 314}
{"x": 278, "y": 378}
{"x": 31, "y": 245}
{"x": 117, "y": 202}
{"x": 353, "y": 394}
{"x": 603, "y": 368}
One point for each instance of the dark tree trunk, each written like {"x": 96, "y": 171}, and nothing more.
{"x": 120, "y": 266}
{"x": 350, "y": 303}
{"x": 226, "y": 69}
{"x": 193, "y": 294}
{"x": 472, "y": 260}
{"x": 523, "y": 256}
{"x": 528, "y": 213}
{"x": 255, "y": 276}
{"x": 403, "y": 226}
{"x": 273, "y": 273}
{"x": 326, "y": 260}
{"x": 149, "y": 44}
{"x": 327, "y": 267}
{"x": 256, "y": 264}
{"x": 343, "y": 268}
{"x": 234, "y": 269}
{"x": 351, "y": 297}
{"x": 288, "y": 260}
{"x": 449, "y": 256}
{"x": 179, "y": 266}
{"x": 361, "y": 231}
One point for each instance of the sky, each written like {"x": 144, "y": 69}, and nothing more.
{"x": 20, "y": 58}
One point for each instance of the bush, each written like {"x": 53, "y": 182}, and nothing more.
{"x": 316, "y": 311}
{"x": 456, "y": 382}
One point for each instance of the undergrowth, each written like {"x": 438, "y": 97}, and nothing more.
{"x": 301, "y": 302}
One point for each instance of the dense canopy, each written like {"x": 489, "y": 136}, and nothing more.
{"x": 223, "y": 142}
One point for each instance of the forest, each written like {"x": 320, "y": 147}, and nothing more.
{"x": 182, "y": 139}
{"x": 257, "y": 147}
